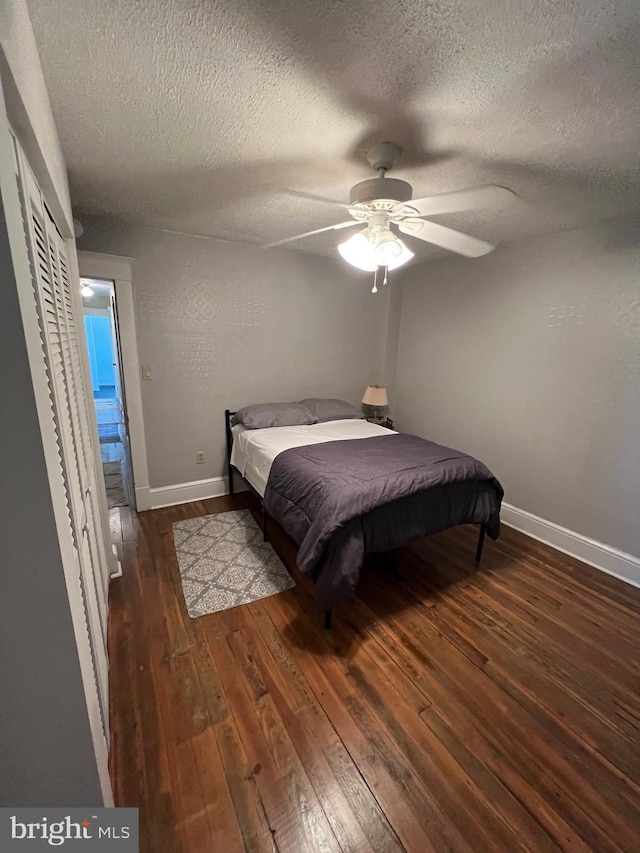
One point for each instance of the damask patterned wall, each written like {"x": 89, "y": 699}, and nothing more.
{"x": 530, "y": 359}
{"x": 223, "y": 325}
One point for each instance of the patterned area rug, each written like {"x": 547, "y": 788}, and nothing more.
{"x": 224, "y": 562}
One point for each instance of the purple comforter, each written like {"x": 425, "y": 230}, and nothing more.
{"x": 343, "y": 499}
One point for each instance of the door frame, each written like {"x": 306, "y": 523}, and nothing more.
{"x": 117, "y": 269}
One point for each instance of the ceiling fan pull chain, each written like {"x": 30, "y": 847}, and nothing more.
{"x": 375, "y": 281}
{"x": 386, "y": 270}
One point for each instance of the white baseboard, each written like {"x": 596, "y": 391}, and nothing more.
{"x": 596, "y": 554}
{"x": 197, "y": 490}
{"x": 143, "y": 498}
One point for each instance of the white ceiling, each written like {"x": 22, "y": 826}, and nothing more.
{"x": 216, "y": 118}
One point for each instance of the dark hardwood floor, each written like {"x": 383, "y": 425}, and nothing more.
{"x": 458, "y": 710}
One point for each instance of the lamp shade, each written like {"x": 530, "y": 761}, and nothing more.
{"x": 405, "y": 255}
{"x": 375, "y": 395}
{"x": 388, "y": 248}
{"x": 358, "y": 252}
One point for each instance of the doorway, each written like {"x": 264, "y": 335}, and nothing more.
{"x": 101, "y": 327}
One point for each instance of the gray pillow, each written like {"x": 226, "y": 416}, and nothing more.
{"x": 266, "y": 415}
{"x": 330, "y": 409}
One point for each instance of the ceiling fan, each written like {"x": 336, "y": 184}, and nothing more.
{"x": 379, "y": 203}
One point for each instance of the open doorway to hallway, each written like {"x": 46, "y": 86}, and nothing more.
{"x": 105, "y": 363}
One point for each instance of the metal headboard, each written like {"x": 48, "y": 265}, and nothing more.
{"x": 228, "y": 414}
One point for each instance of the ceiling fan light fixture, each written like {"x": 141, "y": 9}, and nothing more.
{"x": 404, "y": 257}
{"x": 359, "y": 252}
{"x": 367, "y": 253}
{"x": 387, "y": 248}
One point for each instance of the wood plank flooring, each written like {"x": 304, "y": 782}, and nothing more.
{"x": 458, "y": 710}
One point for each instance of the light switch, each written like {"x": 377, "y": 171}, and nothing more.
{"x": 147, "y": 373}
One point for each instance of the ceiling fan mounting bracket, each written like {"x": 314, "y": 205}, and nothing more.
{"x": 384, "y": 156}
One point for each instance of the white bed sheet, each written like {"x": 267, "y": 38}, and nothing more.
{"x": 254, "y": 450}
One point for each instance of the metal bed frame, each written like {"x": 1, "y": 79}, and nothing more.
{"x": 228, "y": 415}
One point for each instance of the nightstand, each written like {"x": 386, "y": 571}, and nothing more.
{"x": 387, "y": 423}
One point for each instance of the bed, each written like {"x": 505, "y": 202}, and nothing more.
{"x": 347, "y": 488}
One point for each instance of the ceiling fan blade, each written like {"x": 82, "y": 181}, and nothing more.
{"x": 482, "y": 198}
{"x": 314, "y": 197}
{"x": 311, "y": 233}
{"x": 446, "y": 238}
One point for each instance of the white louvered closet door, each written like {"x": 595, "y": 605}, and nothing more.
{"x": 79, "y": 421}
{"x": 56, "y": 310}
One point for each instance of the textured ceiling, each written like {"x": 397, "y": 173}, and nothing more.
{"x": 220, "y": 118}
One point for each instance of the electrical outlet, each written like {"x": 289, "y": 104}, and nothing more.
{"x": 200, "y": 457}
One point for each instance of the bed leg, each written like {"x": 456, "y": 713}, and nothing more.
{"x": 389, "y": 564}
{"x": 264, "y": 524}
{"x": 483, "y": 530}
{"x": 327, "y": 620}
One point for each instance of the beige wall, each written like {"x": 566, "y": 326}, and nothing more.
{"x": 530, "y": 359}
{"x": 223, "y": 325}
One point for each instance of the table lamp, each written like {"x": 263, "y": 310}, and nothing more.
{"x": 376, "y": 396}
